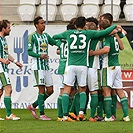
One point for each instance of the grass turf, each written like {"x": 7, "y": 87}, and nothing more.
{"x": 28, "y": 124}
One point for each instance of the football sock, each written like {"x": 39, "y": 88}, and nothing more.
{"x": 70, "y": 103}
{"x": 35, "y": 104}
{"x": 93, "y": 104}
{"x": 7, "y": 102}
{"x": 124, "y": 104}
{"x": 59, "y": 102}
{"x": 41, "y": 103}
{"x": 107, "y": 106}
{"x": 113, "y": 106}
{"x": 82, "y": 99}
{"x": 65, "y": 104}
{"x": 100, "y": 106}
{"x": 76, "y": 104}
{"x": 87, "y": 100}
{"x": 45, "y": 96}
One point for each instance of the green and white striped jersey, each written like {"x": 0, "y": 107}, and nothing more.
{"x": 3, "y": 54}
{"x": 63, "y": 55}
{"x": 38, "y": 43}
{"x": 78, "y": 44}
{"x": 94, "y": 61}
{"x": 111, "y": 59}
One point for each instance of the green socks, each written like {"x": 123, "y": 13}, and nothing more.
{"x": 124, "y": 104}
{"x": 65, "y": 103}
{"x": 71, "y": 104}
{"x": 59, "y": 103}
{"x": 45, "y": 96}
{"x": 100, "y": 106}
{"x": 77, "y": 105}
{"x": 35, "y": 104}
{"x": 41, "y": 103}
{"x": 107, "y": 106}
{"x": 113, "y": 106}
{"x": 7, "y": 102}
{"x": 93, "y": 104}
{"x": 82, "y": 100}
{"x": 87, "y": 100}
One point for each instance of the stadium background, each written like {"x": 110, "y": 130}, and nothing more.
{"x": 23, "y": 92}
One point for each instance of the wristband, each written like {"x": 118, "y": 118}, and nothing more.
{"x": 15, "y": 61}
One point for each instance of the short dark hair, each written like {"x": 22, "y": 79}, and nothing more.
{"x": 3, "y": 24}
{"x": 71, "y": 27}
{"x": 108, "y": 16}
{"x": 36, "y": 20}
{"x": 80, "y": 22}
{"x": 92, "y": 19}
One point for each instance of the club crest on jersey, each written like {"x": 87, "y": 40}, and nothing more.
{"x": 6, "y": 48}
{"x": 43, "y": 46}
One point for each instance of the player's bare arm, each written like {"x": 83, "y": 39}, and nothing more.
{"x": 5, "y": 61}
{"x": 14, "y": 61}
{"x": 102, "y": 51}
{"x": 121, "y": 46}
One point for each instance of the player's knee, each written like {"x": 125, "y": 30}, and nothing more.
{"x": 120, "y": 93}
{"x": 50, "y": 90}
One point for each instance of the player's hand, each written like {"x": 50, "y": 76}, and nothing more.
{"x": 115, "y": 31}
{"x": 119, "y": 28}
{"x": 44, "y": 56}
{"x": 7, "y": 62}
{"x": 91, "y": 53}
{"x": 19, "y": 64}
{"x": 116, "y": 35}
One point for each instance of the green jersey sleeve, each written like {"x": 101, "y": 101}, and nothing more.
{"x": 51, "y": 41}
{"x": 120, "y": 34}
{"x": 59, "y": 42}
{"x": 30, "y": 46}
{"x": 101, "y": 33}
{"x": 62, "y": 35}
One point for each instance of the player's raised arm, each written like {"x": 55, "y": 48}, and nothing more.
{"x": 121, "y": 46}
{"x": 51, "y": 41}
{"x": 102, "y": 33}
{"x": 60, "y": 36}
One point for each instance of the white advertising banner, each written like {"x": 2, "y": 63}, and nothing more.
{"x": 23, "y": 91}
{"x": 22, "y": 80}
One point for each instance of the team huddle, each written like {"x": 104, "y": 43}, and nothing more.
{"x": 88, "y": 50}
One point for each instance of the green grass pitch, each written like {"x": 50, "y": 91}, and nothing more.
{"x": 28, "y": 124}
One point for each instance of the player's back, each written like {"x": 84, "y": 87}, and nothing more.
{"x": 78, "y": 45}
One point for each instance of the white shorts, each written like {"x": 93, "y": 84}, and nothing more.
{"x": 43, "y": 77}
{"x": 111, "y": 77}
{"x": 4, "y": 79}
{"x": 94, "y": 79}
{"x": 60, "y": 81}
{"x": 75, "y": 72}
